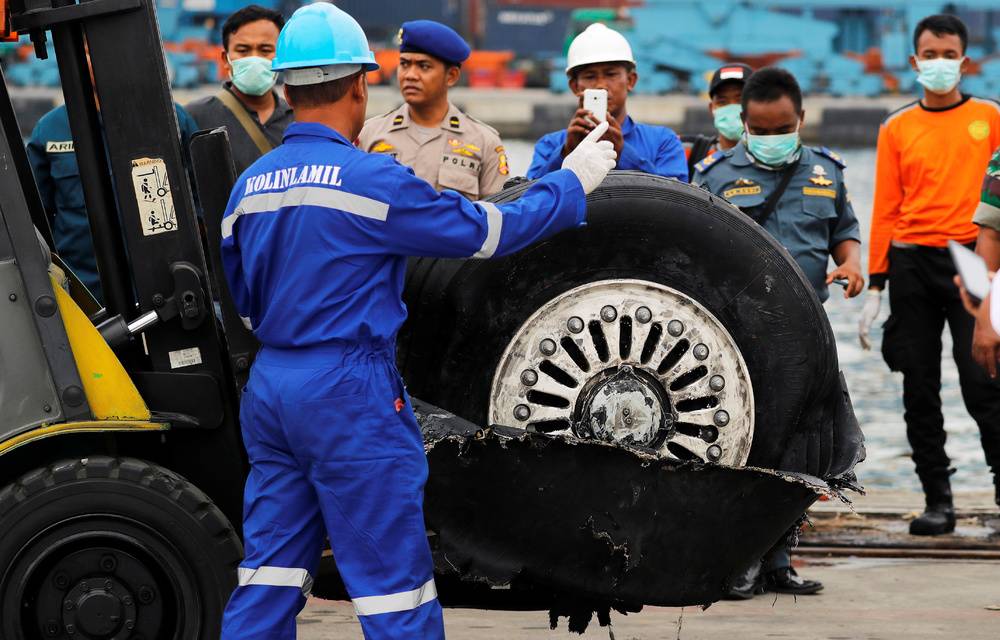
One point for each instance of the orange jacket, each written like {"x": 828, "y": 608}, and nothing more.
{"x": 929, "y": 171}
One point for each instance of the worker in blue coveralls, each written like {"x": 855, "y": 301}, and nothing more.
{"x": 798, "y": 195}
{"x": 53, "y": 161}
{"x": 315, "y": 241}
{"x": 601, "y": 58}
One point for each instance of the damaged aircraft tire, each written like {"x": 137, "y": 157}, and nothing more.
{"x": 670, "y": 321}
{"x": 106, "y": 548}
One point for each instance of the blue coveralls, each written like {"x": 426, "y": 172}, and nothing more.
{"x": 315, "y": 240}
{"x": 649, "y": 148}
{"x": 53, "y": 161}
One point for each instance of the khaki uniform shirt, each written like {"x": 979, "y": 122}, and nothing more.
{"x": 465, "y": 155}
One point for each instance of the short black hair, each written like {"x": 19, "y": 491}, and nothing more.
{"x": 940, "y": 25}
{"x": 246, "y": 15}
{"x": 318, "y": 95}
{"x": 770, "y": 84}
{"x": 629, "y": 67}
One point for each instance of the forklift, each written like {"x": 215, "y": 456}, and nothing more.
{"x": 121, "y": 461}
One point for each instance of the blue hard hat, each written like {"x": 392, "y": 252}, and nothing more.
{"x": 319, "y": 35}
{"x": 433, "y": 38}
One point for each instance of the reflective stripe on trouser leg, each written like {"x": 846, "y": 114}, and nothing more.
{"x": 282, "y": 529}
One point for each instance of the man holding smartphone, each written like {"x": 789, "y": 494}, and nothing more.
{"x": 601, "y": 59}
{"x": 929, "y": 167}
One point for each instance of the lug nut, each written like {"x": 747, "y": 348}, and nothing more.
{"x": 609, "y": 313}
{"x": 127, "y": 601}
{"x": 547, "y": 346}
{"x": 529, "y": 377}
{"x": 643, "y": 314}
{"x": 52, "y": 628}
{"x": 70, "y": 629}
{"x": 60, "y": 580}
{"x": 700, "y": 351}
{"x": 716, "y": 383}
{"x": 675, "y": 328}
{"x": 522, "y": 412}
{"x": 721, "y": 418}
{"x": 575, "y": 324}
{"x": 709, "y": 434}
{"x": 714, "y": 453}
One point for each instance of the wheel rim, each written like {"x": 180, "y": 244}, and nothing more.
{"x": 101, "y": 577}
{"x": 632, "y": 362}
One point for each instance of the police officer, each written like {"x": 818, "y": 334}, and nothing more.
{"x": 445, "y": 147}
{"x": 53, "y": 162}
{"x": 798, "y": 195}
{"x": 315, "y": 240}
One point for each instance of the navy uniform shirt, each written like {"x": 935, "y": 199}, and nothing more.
{"x": 649, "y": 148}
{"x": 316, "y": 235}
{"x": 53, "y": 161}
{"x": 814, "y": 214}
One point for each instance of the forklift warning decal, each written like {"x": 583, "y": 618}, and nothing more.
{"x": 152, "y": 194}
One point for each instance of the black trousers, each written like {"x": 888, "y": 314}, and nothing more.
{"x": 922, "y": 297}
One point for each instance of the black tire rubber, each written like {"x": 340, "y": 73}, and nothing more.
{"x": 463, "y": 313}
{"x": 147, "y": 516}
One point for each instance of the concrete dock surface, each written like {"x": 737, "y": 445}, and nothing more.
{"x": 864, "y": 599}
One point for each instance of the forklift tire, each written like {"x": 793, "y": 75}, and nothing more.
{"x": 106, "y": 548}
{"x": 464, "y": 315}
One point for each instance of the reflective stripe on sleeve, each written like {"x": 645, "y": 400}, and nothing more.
{"x": 494, "y": 224}
{"x": 276, "y": 577}
{"x": 306, "y": 196}
{"x": 404, "y": 601}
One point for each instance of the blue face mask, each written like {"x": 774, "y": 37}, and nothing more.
{"x": 728, "y": 122}
{"x": 252, "y": 75}
{"x": 939, "y": 75}
{"x": 773, "y": 150}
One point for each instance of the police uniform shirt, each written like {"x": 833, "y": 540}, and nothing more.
{"x": 813, "y": 215}
{"x": 648, "y": 148}
{"x": 465, "y": 154}
{"x": 209, "y": 113}
{"x": 53, "y": 162}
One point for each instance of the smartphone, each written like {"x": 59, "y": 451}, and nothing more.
{"x": 972, "y": 269}
{"x": 596, "y": 101}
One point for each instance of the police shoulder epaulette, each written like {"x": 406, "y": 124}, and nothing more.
{"x": 483, "y": 124}
{"x": 710, "y": 161}
{"x": 826, "y": 152}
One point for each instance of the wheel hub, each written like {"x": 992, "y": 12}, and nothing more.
{"x": 632, "y": 362}
{"x": 628, "y": 407}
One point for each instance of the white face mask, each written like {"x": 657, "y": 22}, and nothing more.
{"x": 939, "y": 75}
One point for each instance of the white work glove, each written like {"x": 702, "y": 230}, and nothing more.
{"x": 869, "y": 314}
{"x": 592, "y": 159}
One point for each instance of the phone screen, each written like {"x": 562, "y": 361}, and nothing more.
{"x": 596, "y": 101}
{"x": 972, "y": 269}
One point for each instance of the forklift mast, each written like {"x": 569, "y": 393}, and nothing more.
{"x": 145, "y": 228}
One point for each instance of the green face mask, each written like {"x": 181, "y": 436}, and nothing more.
{"x": 728, "y": 122}
{"x": 773, "y": 150}
{"x": 252, "y": 75}
{"x": 939, "y": 75}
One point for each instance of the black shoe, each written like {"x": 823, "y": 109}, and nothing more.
{"x": 938, "y": 517}
{"x": 936, "y": 520}
{"x": 786, "y": 580}
{"x": 746, "y": 586}
{"x": 996, "y": 485}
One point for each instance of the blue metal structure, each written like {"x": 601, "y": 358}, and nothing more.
{"x": 678, "y": 43}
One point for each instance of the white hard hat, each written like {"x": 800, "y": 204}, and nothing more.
{"x": 598, "y": 43}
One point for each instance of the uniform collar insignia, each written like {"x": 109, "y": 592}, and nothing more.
{"x": 398, "y": 120}
{"x": 819, "y": 170}
{"x": 744, "y": 182}
{"x": 454, "y": 122}
{"x": 821, "y": 181}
